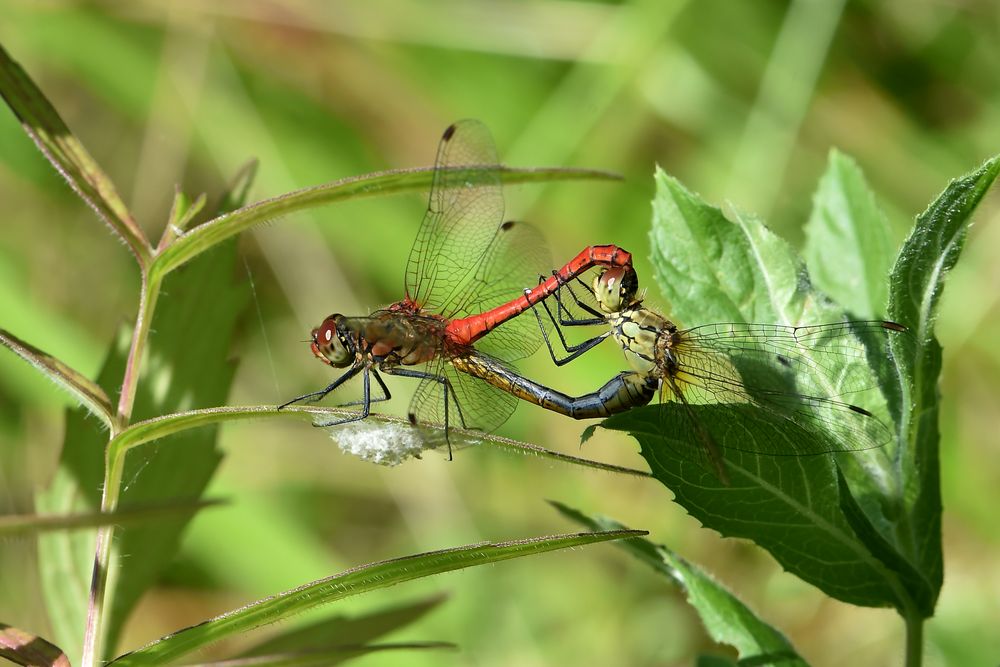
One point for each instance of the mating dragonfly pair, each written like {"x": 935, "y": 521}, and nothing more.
{"x": 462, "y": 321}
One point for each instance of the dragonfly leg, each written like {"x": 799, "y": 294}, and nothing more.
{"x": 312, "y": 397}
{"x": 597, "y": 317}
{"x": 573, "y": 351}
{"x": 384, "y": 397}
{"x": 448, "y": 389}
{"x": 365, "y": 403}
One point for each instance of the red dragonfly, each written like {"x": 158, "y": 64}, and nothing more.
{"x": 465, "y": 278}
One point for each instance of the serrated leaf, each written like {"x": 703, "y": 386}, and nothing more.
{"x": 713, "y": 269}
{"x": 228, "y": 225}
{"x": 848, "y": 246}
{"x": 42, "y": 123}
{"x": 726, "y": 619}
{"x": 187, "y": 366}
{"x": 916, "y": 285}
{"x": 353, "y": 582}
{"x": 918, "y": 585}
{"x": 66, "y": 559}
{"x": 89, "y": 393}
{"x": 24, "y": 648}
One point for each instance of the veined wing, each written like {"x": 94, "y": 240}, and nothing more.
{"x": 464, "y": 210}
{"x": 814, "y": 382}
{"x": 516, "y": 258}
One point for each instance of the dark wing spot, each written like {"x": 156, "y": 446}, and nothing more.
{"x": 860, "y": 410}
{"x": 784, "y": 361}
{"x": 413, "y": 418}
{"x": 448, "y": 133}
{"x": 505, "y": 227}
{"x": 893, "y": 326}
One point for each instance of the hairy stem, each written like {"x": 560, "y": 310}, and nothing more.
{"x": 114, "y": 461}
{"x": 148, "y": 295}
{"x": 94, "y": 634}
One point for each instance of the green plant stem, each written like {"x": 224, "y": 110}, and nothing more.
{"x": 149, "y": 293}
{"x": 114, "y": 461}
{"x": 94, "y": 634}
{"x": 914, "y": 639}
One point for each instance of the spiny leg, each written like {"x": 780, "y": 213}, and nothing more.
{"x": 570, "y": 320}
{"x": 365, "y": 402}
{"x": 423, "y": 375}
{"x": 573, "y": 351}
{"x": 385, "y": 393}
{"x": 312, "y": 397}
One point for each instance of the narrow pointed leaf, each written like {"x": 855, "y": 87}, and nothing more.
{"x": 343, "y": 630}
{"x": 352, "y": 582}
{"x": 42, "y": 123}
{"x": 326, "y": 657}
{"x": 40, "y": 523}
{"x": 89, "y": 393}
{"x": 916, "y": 286}
{"x": 24, "y": 648}
{"x": 152, "y": 430}
{"x": 379, "y": 183}
{"x": 725, "y": 617}
{"x": 848, "y": 247}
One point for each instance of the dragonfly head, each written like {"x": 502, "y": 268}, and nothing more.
{"x": 615, "y": 289}
{"x": 333, "y": 343}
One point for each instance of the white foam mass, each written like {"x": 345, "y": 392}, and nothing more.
{"x": 386, "y": 444}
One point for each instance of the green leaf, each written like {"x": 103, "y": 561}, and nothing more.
{"x": 725, "y": 617}
{"x": 917, "y": 584}
{"x": 42, "y": 123}
{"x": 19, "y": 524}
{"x": 916, "y": 284}
{"x": 352, "y": 582}
{"x": 848, "y": 246}
{"x": 66, "y": 559}
{"x": 24, "y": 648}
{"x": 399, "y": 181}
{"x": 714, "y": 270}
{"x": 238, "y": 191}
{"x": 89, "y": 393}
{"x": 326, "y": 657}
{"x": 188, "y": 365}
{"x": 342, "y": 630}
{"x": 152, "y": 430}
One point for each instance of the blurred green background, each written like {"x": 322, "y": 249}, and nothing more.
{"x": 741, "y": 100}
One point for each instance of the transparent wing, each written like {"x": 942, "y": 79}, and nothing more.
{"x": 515, "y": 260}
{"x": 781, "y": 390}
{"x": 472, "y": 403}
{"x": 464, "y": 210}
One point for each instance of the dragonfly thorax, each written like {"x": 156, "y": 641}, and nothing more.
{"x": 395, "y": 338}
{"x": 638, "y": 331}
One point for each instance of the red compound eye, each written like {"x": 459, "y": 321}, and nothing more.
{"x": 326, "y": 333}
